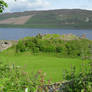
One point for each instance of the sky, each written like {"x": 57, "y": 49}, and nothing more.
{"x": 29, "y": 5}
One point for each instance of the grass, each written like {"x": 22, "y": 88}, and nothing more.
{"x": 53, "y": 66}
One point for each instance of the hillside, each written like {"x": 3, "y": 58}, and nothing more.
{"x": 64, "y": 18}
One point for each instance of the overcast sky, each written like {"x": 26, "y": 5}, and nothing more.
{"x": 27, "y": 5}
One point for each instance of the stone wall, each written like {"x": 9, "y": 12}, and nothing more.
{"x": 56, "y": 87}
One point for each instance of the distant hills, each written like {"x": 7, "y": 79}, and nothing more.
{"x": 63, "y": 18}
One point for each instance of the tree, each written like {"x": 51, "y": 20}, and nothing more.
{"x": 2, "y": 5}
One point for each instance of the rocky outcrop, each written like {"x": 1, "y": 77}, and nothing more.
{"x": 4, "y": 45}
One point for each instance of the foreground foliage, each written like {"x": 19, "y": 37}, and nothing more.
{"x": 81, "y": 82}
{"x": 13, "y": 79}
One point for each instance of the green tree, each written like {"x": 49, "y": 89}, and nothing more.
{"x": 2, "y": 5}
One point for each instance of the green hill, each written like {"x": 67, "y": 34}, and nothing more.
{"x": 64, "y": 18}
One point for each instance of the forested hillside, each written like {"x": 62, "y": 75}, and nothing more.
{"x": 64, "y": 18}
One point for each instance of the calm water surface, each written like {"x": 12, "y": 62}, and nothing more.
{"x": 18, "y": 33}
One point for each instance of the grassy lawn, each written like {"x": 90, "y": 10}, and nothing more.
{"x": 53, "y": 66}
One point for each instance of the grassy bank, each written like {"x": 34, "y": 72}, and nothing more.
{"x": 53, "y": 66}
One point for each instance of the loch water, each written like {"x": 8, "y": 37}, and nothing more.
{"x": 18, "y": 33}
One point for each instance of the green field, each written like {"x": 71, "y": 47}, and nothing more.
{"x": 53, "y": 66}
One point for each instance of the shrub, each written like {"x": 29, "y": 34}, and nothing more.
{"x": 13, "y": 79}
{"x": 20, "y": 47}
{"x": 35, "y": 50}
{"x": 41, "y": 43}
{"x": 81, "y": 82}
{"x": 60, "y": 48}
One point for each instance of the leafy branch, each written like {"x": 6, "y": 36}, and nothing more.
{"x": 2, "y": 5}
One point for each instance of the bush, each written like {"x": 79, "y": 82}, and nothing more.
{"x": 20, "y": 47}
{"x": 60, "y": 48}
{"x": 81, "y": 82}
{"x": 13, "y": 79}
{"x": 39, "y": 43}
{"x": 35, "y": 50}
